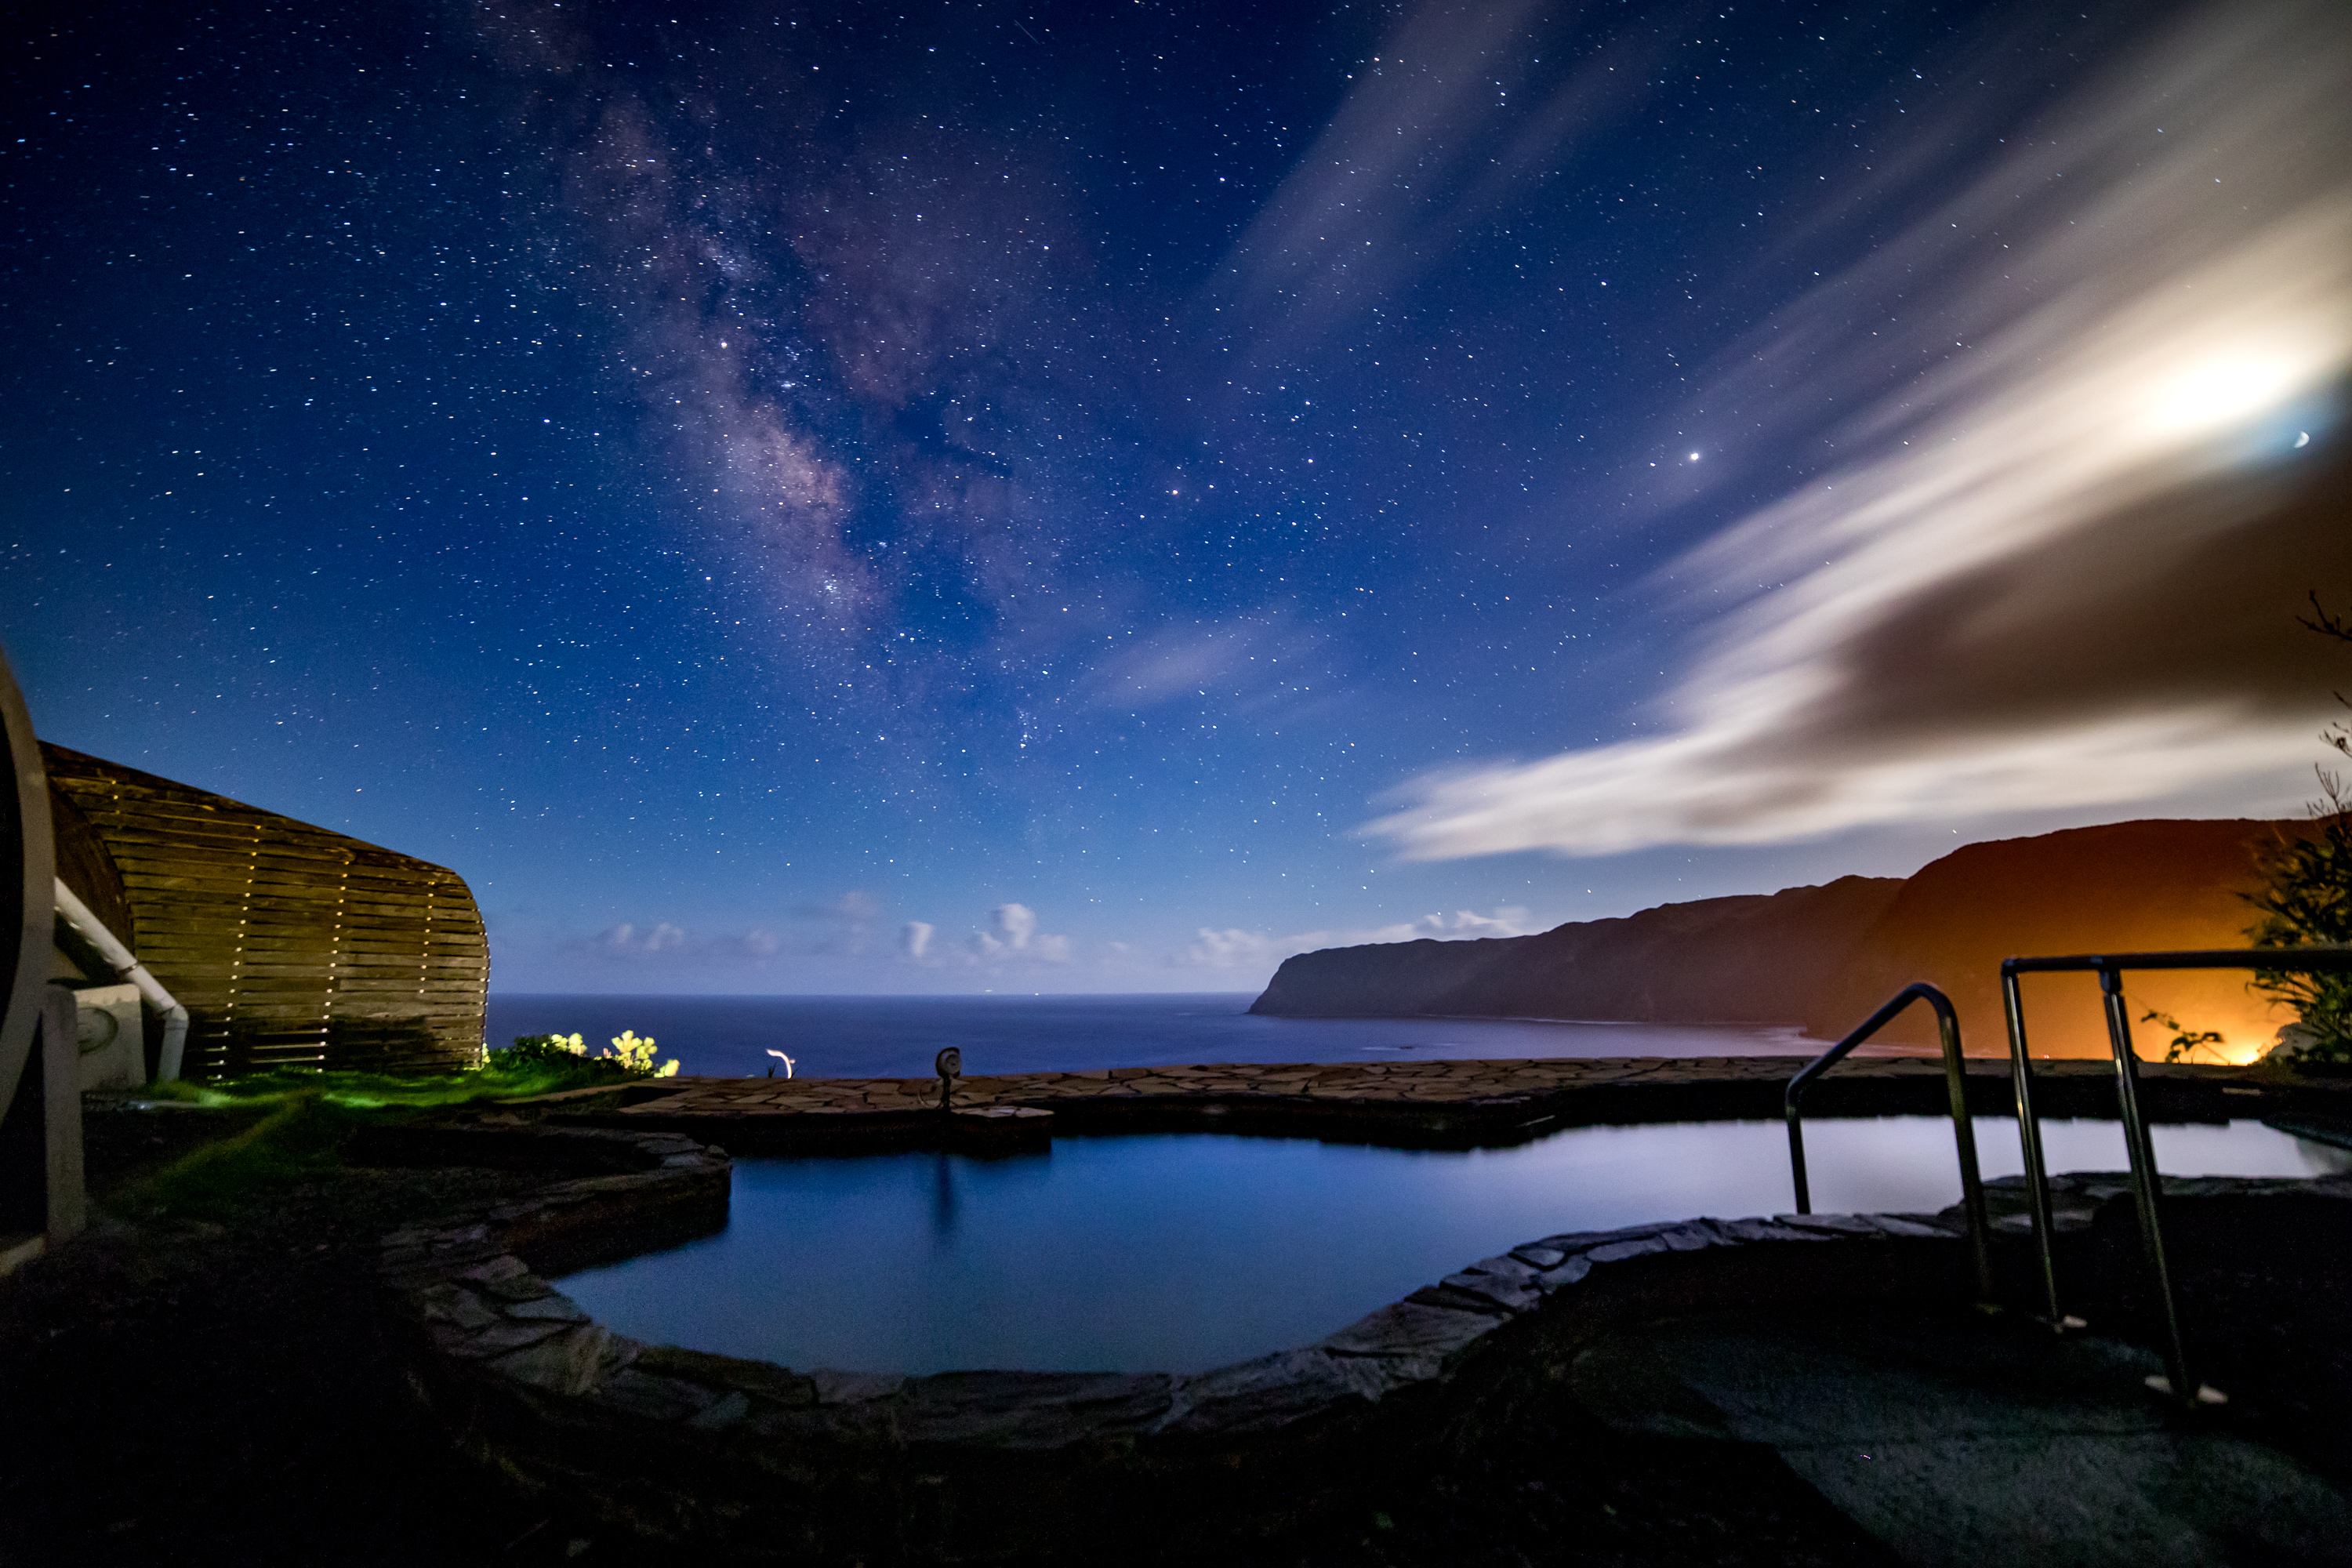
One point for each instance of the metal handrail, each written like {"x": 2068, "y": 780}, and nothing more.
{"x": 2138, "y": 1146}
{"x": 1948, "y": 1029}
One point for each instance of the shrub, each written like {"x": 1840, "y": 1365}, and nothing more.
{"x": 629, "y": 1057}
{"x": 533, "y": 1050}
{"x": 2186, "y": 1042}
{"x": 636, "y": 1056}
{"x": 2307, "y": 897}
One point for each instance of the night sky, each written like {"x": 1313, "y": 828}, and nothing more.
{"x": 1102, "y": 496}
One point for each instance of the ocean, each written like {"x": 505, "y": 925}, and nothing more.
{"x": 896, "y": 1036}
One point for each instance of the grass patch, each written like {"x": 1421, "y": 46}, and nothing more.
{"x": 376, "y": 1091}
{"x": 306, "y": 1118}
{"x": 298, "y": 1140}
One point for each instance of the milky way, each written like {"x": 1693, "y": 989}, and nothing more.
{"x": 1101, "y": 497}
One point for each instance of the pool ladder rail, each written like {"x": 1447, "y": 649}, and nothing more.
{"x": 2147, "y": 1182}
{"x": 1948, "y": 1029}
{"x": 2139, "y": 1148}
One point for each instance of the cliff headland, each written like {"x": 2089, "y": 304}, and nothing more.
{"x": 1822, "y": 957}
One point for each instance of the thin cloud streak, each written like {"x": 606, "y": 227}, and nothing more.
{"x": 1247, "y": 660}
{"x": 1418, "y": 149}
{"x": 1234, "y": 947}
{"x": 2063, "y": 568}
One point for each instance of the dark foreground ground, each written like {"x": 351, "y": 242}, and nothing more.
{"x": 194, "y": 1393}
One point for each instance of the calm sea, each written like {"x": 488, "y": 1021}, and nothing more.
{"x": 896, "y": 1036}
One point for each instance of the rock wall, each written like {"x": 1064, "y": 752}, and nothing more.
{"x": 1824, "y": 957}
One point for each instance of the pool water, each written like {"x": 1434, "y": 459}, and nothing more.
{"x": 1185, "y": 1251}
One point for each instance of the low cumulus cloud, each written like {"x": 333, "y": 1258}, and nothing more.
{"x": 1010, "y": 936}
{"x": 834, "y": 928}
{"x": 662, "y": 943}
{"x": 1016, "y": 923}
{"x": 1230, "y": 949}
{"x": 628, "y": 940}
{"x": 1234, "y": 947}
{"x": 1013, "y": 934}
{"x": 2061, "y": 568}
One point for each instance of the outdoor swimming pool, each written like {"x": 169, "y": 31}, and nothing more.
{"x": 1181, "y": 1252}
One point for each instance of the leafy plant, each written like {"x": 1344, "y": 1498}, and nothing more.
{"x": 2306, "y": 899}
{"x": 2340, "y": 628}
{"x": 532, "y": 1049}
{"x": 2186, "y": 1042}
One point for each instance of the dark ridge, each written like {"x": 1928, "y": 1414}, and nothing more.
{"x": 1755, "y": 958}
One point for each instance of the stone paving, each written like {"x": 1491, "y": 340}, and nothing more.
{"x": 1428, "y": 1082}
{"x": 1481, "y": 1099}
{"x": 1960, "y": 1440}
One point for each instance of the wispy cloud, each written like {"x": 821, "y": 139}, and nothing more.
{"x": 1247, "y": 658}
{"x": 1234, "y": 947}
{"x": 1421, "y": 146}
{"x": 2059, "y": 568}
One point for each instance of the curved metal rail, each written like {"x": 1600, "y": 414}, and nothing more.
{"x": 2146, "y": 1183}
{"x": 1948, "y": 1029}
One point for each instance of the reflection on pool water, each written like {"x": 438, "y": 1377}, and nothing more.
{"x": 1181, "y": 1252}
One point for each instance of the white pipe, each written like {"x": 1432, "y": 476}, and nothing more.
{"x": 127, "y": 968}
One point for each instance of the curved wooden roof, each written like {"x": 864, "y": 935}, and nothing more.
{"x": 84, "y": 865}
{"x": 289, "y": 944}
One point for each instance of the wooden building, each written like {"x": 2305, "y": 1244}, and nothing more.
{"x": 289, "y": 945}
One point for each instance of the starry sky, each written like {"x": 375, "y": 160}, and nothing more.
{"x": 1099, "y": 496}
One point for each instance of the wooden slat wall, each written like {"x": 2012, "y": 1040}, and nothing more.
{"x": 84, "y": 866}
{"x": 289, "y": 945}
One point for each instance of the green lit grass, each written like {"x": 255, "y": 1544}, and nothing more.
{"x": 375, "y": 1091}
{"x": 300, "y": 1140}
{"x": 306, "y": 1118}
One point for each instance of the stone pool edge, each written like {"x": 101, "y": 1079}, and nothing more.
{"x": 987, "y": 1466}
{"x": 978, "y": 1467}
